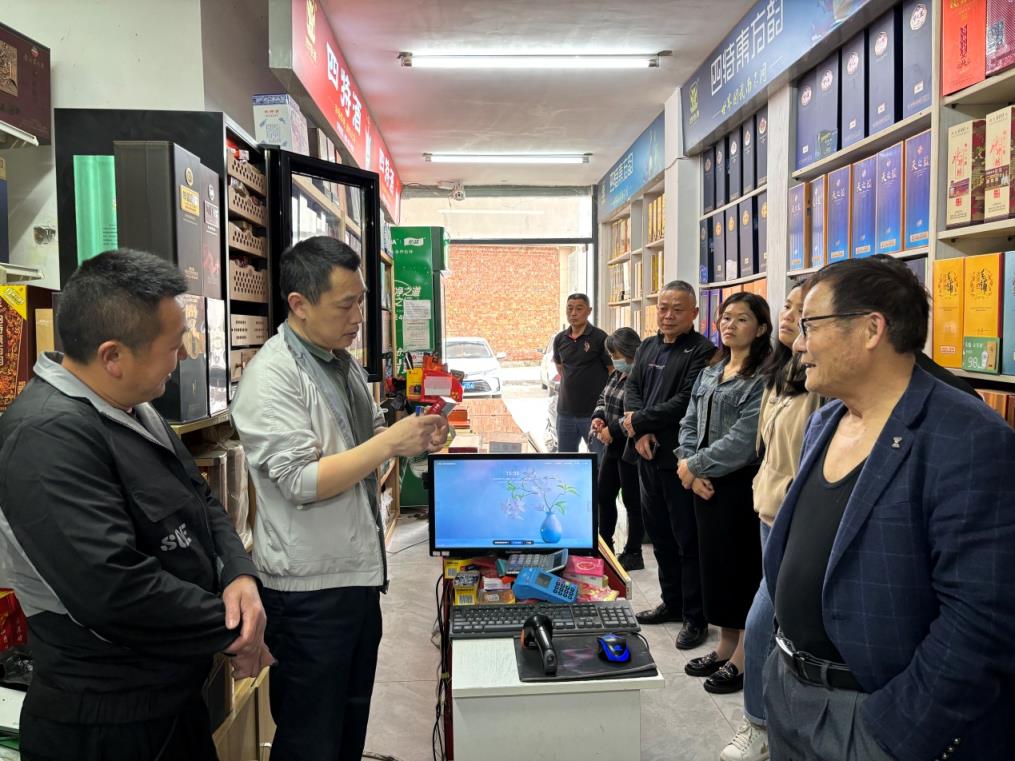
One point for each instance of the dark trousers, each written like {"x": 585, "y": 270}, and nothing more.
{"x": 184, "y": 737}
{"x": 326, "y": 647}
{"x": 668, "y": 510}
{"x": 616, "y": 477}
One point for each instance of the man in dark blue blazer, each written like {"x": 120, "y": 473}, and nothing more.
{"x": 892, "y": 560}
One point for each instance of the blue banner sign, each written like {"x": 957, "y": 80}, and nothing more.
{"x": 639, "y": 164}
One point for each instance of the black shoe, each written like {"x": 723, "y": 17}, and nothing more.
{"x": 706, "y": 665}
{"x": 658, "y": 615}
{"x": 632, "y": 561}
{"x": 726, "y": 680}
{"x": 691, "y": 635}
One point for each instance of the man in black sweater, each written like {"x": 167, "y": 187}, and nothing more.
{"x": 657, "y": 394}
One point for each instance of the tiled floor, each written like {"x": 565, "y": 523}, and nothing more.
{"x": 681, "y": 722}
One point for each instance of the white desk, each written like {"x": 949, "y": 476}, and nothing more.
{"x": 497, "y": 717}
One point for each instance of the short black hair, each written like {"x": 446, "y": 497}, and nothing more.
{"x": 115, "y": 296}
{"x": 881, "y": 284}
{"x": 761, "y": 347}
{"x": 305, "y": 267}
{"x": 579, "y": 297}
{"x": 681, "y": 286}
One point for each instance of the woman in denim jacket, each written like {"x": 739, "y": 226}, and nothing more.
{"x": 718, "y": 460}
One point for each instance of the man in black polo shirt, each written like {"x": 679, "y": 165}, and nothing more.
{"x": 584, "y": 366}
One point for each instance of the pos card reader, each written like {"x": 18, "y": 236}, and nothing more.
{"x": 534, "y": 584}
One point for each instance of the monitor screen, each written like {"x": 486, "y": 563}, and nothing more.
{"x": 512, "y": 503}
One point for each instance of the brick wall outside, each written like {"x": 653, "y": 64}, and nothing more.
{"x": 509, "y": 295}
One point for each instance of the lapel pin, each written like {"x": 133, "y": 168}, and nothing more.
{"x": 896, "y": 441}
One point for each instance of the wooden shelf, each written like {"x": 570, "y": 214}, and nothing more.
{"x": 623, "y": 303}
{"x": 388, "y": 471}
{"x": 1003, "y": 228}
{"x": 982, "y": 376}
{"x": 868, "y": 146}
{"x": 197, "y": 425}
{"x": 241, "y": 240}
{"x": 653, "y": 295}
{"x": 248, "y": 174}
{"x": 737, "y": 281}
{"x": 620, "y": 259}
{"x": 733, "y": 204}
{"x": 655, "y": 244}
{"x": 247, "y": 209}
{"x": 999, "y": 90}
{"x": 386, "y": 258}
{"x": 908, "y": 253}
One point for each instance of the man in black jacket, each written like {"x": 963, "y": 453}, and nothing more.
{"x": 656, "y": 398}
{"x": 129, "y": 570}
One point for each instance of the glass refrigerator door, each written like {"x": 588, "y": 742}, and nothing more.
{"x": 321, "y": 198}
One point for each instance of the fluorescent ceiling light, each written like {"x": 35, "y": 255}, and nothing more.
{"x": 507, "y": 158}
{"x": 531, "y": 61}
{"x": 492, "y": 211}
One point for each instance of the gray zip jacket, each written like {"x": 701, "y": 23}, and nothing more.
{"x": 287, "y": 421}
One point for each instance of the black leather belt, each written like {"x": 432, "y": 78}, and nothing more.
{"x": 816, "y": 671}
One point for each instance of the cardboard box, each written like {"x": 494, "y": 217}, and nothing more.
{"x": 748, "y": 238}
{"x": 718, "y": 222}
{"x": 853, "y": 107}
{"x": 211, "y": 233}
{"x": 218, "y": 358}
{"x": 966, "y": 157}
{"x": 806, "y": 119}
{"x": 863, "y": 205}
{"x": 1000, "y": 36}
{"x": 158, "y": 209}
{"x": 704, "y": 252}
{"x": 917, "y": 190}
{"x": 999, "y": 165}
{"x": 838, "y": 221}
{"x": 708, "y": 180}
{"x": 763, "y": 232}
{"x": 949, "y": 281}
{"x": 1008, "y": 322}
{"x": 984, "y": 283}
{"x": 917, "y": 49}
{"x": 732, "y": 241}
{"x": 279, "y": 121}
{"x": 884, "y": 38}
{"x": 761, "y": 147}
{"x": 721, "y": 196}
{"x": 818, "y": 189}
{"x": 186, "y": 396}
{"x": 799, "y": 227}
{"x": 963, "y": 44}
{"x": 826, "y": 112}
{"x": 734, "y": 166}
{"x": 891, "y": 180}
{"x": 747, "y": 150}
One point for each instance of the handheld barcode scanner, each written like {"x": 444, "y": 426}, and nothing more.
{"x": 538, "y": 632}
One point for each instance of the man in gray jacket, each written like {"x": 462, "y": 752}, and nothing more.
{"x": 314, "y": 439}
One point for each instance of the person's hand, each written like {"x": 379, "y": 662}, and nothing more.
{"x": 628, "y": 424}
{"x": 605, "y": 436}
{"x": 252, "y": 664}
{"x": 439, "y": 438}
{"x": 703, "y": 488}
{"x": 244, "y": 611}
{"x": 597, "y": 425}
{"x": 645, "y": 446}
{"x": 685, "y": 474}
{"x": 415, "y": 434}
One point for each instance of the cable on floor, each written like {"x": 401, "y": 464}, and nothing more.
{"x": 443, "y": 675}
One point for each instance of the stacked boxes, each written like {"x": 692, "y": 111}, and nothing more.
{"x": 819, "y": 220}
{"x": 806, "y": 119}
{"x": 748, "y": 238}
{"x": 799, "y": 228}
{"x": 734, "y": 166}
{"x": 708, "y": 181}
{"x": 718, "y": 248}
{"x": 917, "y": 190}
{"x": 762, "y": 216}
{"x": 732, "y": 245}
{"x": 837, "y": 215}
{"x": 889, "y": 201}
{"x": 827, "y": 101}
{"x": 747, "y": 146}
{"x": 863, "y": 204}
{"x": 884, "y": 39}
{"x": 853, "y": 114}
{"x": 917, "y": 49}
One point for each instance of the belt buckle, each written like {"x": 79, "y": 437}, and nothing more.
{"x": 799, "y": 665}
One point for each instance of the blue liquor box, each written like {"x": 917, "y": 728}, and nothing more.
{"x": 708, "y": 180}
{"x": 704, "y": 252}
{"x": 891, "y": 181}
{"x": 806, "y": 119}
{"x": 762, "y": 216}
{"x": 748, "y": 238}
{"x": 732, "y": 245}
{"x": 799, "y": 228}
{"x": 916, "y": 56}
{"x": 704, "y": 301}
{"x": 864, "y": 201}
{"x": 884, "y": 39}
{"x": 720, "y": 173}
{"x": 734, "y": 166}
{"x": 853, "y": 109}
{"x": 917, "y": 191}
{"x": 826, "y": 112}
{"x": 819, "y": 220}
{"x": 747, "y": 145}
{"x": 837, "y": 217}
{"x": 718, "y": 222}
{"x": 761, "y": 147}
{"x": 1008, "y": 317}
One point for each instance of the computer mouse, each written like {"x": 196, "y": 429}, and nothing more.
{"x": 613, "y": 648}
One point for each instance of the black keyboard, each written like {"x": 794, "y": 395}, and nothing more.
{"x": 490, "y": 621}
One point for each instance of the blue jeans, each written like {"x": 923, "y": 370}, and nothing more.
{"x": 759, "y": 639}
{"x": 571, "y": 429}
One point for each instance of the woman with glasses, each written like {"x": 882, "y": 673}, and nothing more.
{"x": 717, "y": 460}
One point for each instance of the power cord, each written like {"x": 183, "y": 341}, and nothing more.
{"x": 443, "y": 675}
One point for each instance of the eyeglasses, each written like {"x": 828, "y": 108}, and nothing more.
{"x": 805, "y": 323}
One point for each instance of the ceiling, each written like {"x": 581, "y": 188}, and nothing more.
{"x": 601, "y": 112}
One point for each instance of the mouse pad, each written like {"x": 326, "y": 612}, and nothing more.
{"x": 577, "y": 659}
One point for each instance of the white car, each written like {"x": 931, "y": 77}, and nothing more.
{"x": 549, "y": 378}
{"x": 473, "y": 356}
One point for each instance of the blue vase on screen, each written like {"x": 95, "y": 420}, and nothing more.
{"x": 551, "y": 530}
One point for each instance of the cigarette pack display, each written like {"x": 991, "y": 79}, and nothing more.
{"x": 826, "y": 112}
{"x": 705, "y": 273}
{"x": 732, "y": 245}
{"x": 853, "y": 109}
{"x": 721, "y": 185}
{"x": 916, "y": 56}
{"x": 999, "y": 165}
{"x": 963, "y": 44}
{"x": 917, "y": 190}
{"x": 863, "y": 204}
{"x": 837, "y": 214}
{"x": 884, "y": 39}
{"x": 949, "y": 281}
{"x": 981, "y": 314}
{"x": 218, "y": 360}
{"x": 186, "y": 396}
{"x": 158, "y": 208}
{"x": 1000, "y": 37}
{"x": 818, "y": 189}
{"x": 747, "y": 146}
{"x": 1008, "y": 323}
{"x": 806, "y": 119}
{"x": 211, "y": 233}
{"x": 748, "y": 238}
{"x": 799, "y": 228}
{"x": 761, "y": 148}
{"x": 718, "y": 222}
{"x": 734, "y": 165}
{"x": 891, "y": 180}
{"x": 966, "y": 149}
{"x": 708, "y": 180}
{"x": 763, "y": 232}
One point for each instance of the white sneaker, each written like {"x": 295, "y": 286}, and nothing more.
{"x": 750, "y": 743}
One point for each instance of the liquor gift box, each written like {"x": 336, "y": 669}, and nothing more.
{"x": 734, "y": 166}
{"x": 747, "y": 145}
{"x": 704, "y": 252}
{"x": 949, "y": 282}
{"x": 748, "y": 238}
{"x": 720, "y": 173}
{"x": 966, "y": 146}
{"x": 1008, "y": 327}
{"x": 718, "y": 222}
{"x": 999, "y": 165}
{"x": 917, "y": 43}
{"x": 853, "y": 108}
{"x": 863, "y": 205}
{"x": 708, "y": 180}
{"x": 732, "y": 245}
{"x": 705, "y": 301}
{"x": 884, "y": 39}
{"x": 19, "y": 306}
{"x": 218, "y": 359}
{"x": 25, "y": 92}
{"x": 826, "y": 112}
{"x": 158, "y": 205}
{"x": 917, "y": 190}
{"x": 186, "y": 396}
{"x": 981, "y": 314}
{"x": 762, "y": 232}
{"x": 1000, "y": 38}
{"x": 761, "y": 148}
{"x": 963, "y": 44}
{"x": 211, "y": 233}
{"x": 891, "y": 180}
{"x": 837, "y": 216}
{"x": 799, "y": 228}
{"x": 819, "y": 220}
{"x": 806, "y": 119}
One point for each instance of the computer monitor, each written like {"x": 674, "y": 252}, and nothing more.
{"x": 512, "y": 503}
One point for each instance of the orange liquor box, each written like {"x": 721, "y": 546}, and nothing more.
{"x": 949, "y": 283}
{"x": 982, "y": 296}
{"x": 963, "y": 44}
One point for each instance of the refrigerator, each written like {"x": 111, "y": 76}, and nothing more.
{"x": 421, "y": 263}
